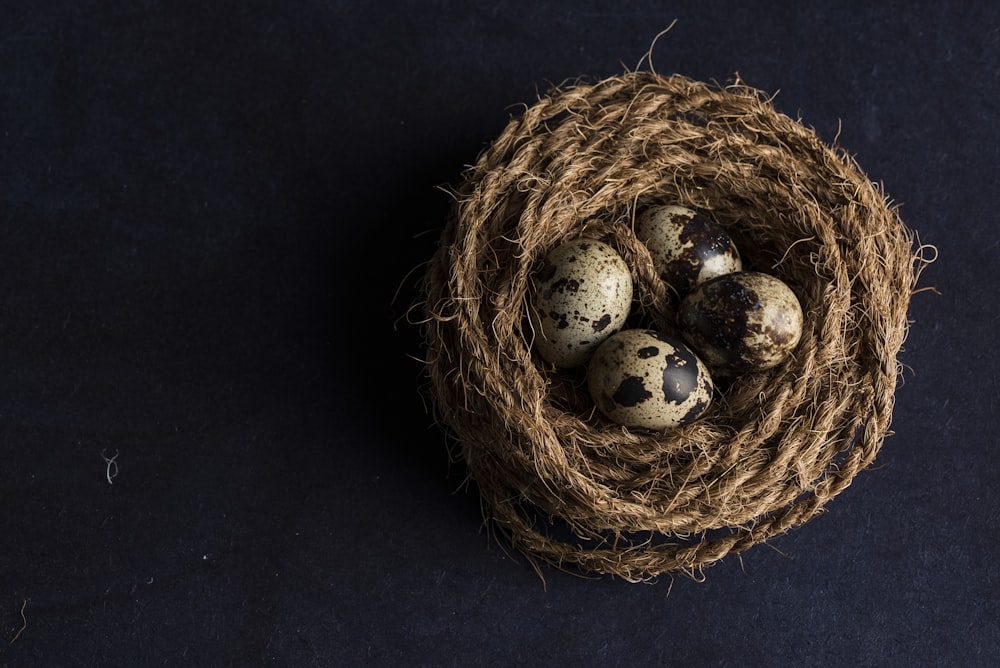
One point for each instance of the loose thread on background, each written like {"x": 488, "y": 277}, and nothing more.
{"x": 112, "y": 470}
{"x": 24, "y": 623}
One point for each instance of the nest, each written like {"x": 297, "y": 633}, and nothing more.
{"x": 560, "y": 482}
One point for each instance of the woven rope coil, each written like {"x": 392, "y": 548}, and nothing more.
{"x": 568, "y": 487}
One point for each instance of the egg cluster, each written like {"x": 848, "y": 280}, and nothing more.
{"x": 731, "y": 321}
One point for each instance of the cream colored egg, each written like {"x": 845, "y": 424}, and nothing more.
{"x": 687, "y": 247}
{"x": 582, "y": 295}
{"x": 643, "y": 378}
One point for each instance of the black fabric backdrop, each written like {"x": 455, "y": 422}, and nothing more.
{"x": 213, "y": 448}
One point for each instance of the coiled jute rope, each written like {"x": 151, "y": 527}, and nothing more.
{"x": 566, "y": 486}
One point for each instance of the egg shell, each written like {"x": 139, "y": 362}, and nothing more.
{"x": 643, "y": 378}
{"x": 742, "y": 322}
{"x": 582, "y": 295}
{"x": 687, "y": 247}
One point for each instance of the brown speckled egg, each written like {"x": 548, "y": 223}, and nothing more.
{"x": 741, "y": 322}
{"x": 582, "y": 295}
{"x": 642, "y": 378}
{"x": 687, "y": 248}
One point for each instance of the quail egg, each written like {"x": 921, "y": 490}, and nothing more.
{"x": 687, "y": 247}
{"x": 643, "y": 378}
{"x": 582, "y": 295}
{"x": 742, "y": 322}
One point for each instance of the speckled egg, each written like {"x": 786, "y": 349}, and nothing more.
{"x": 741, "y": 322}
{"x": 643, "y": 378}
{"x": 582, "y": 295}
{"x": 687, "y": 247}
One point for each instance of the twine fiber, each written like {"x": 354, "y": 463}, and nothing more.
{"x": 561, "y": 483}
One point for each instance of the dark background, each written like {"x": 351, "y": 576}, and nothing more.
{"x": 206, "y": 210}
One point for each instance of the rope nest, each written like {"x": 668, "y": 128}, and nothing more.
{"x": 572, "y": 489}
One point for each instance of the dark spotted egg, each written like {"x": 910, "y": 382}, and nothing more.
{"x": 582, "y": 295}
{"x": 642, "y": 378}
{"x": 687, "y": 248}
{"x": 742, "y": 322}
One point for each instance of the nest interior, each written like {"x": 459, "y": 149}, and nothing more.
{"x": 568, "y": 487}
